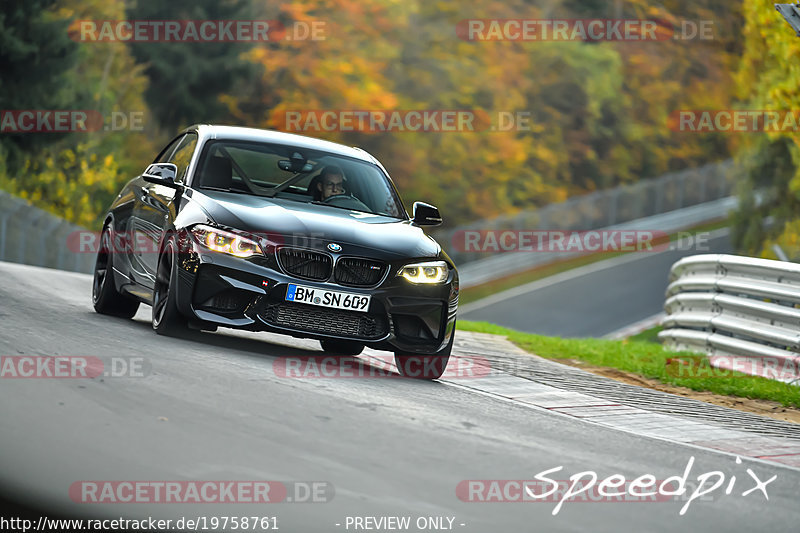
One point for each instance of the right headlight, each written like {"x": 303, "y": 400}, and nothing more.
{"x": 431, "y": 272}
{"x": 226, "y": 242}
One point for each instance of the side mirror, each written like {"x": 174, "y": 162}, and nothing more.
{"x": 426, "y": 214}
{"x": 161, "y": 174}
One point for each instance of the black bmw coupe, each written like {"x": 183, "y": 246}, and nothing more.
{"x": 262, "y": 230}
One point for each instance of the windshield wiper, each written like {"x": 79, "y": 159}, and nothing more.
{"x": 220, "y": 189}
{"x": 317, "y": 202}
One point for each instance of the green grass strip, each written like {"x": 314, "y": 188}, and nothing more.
{"x": 649, "y": 360}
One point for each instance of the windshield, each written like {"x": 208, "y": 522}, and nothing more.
{"x": 298, "y": 174}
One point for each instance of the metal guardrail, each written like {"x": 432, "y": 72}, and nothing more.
{"x": 32, "y": 236}
{"x": 608, "y": 207}
{"x": 741, "y": 312}
{"x": 509, "y": 263}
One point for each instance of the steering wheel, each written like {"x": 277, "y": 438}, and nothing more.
{"x": 346, "y": 200}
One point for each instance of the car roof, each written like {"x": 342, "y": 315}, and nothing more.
{"x": 211, "y": 131}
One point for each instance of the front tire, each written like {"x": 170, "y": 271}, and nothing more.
{"x": 167, "y": 320}
{"x": 422, "y": 366}
{"x": 105, "y": 297}
{"x": 342, "y": 347}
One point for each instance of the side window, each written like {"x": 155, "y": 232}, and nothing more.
{"x": 166, "y": 152}
{"x": 183, "y": 155}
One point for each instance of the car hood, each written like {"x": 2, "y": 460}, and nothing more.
{"x": 316, "y": 226}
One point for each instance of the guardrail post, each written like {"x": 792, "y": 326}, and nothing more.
{"x": 8, "y": 213}
{"x": 612, "y": 208}
{"x": 46, "y": 234}
{"x": 23, "y": 243}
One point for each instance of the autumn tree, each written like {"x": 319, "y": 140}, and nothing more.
{"x": 768, "y": 79}
{"x": 36, "y": 55}
{"x": 186, "y": 79}
{"x": 77, "y": 175}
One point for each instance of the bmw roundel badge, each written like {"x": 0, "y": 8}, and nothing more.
{"x": 333, "y": 247}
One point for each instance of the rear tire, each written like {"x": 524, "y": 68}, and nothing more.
{"x": 167, "y": 320}
{"x": 105, "y": 297}
{"x": 342, "y": 347}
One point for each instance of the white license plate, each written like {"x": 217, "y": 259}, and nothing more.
{"x": 325, "y": 298}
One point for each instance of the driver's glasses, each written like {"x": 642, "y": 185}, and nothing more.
{"x": 334, "y": 185}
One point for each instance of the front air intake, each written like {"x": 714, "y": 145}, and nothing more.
{"x": 305, "y": 264}
{"x": 357, "y": 272}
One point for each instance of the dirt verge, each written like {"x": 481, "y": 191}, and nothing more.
{"x": 759, "y": 407}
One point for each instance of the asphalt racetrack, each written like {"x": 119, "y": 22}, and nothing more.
{"x": 211, "y": 406}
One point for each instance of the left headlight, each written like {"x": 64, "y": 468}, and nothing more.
{"x": 226, "y": 242}
{"x": 433, "y": 272}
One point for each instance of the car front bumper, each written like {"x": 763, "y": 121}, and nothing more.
{"x": 216, "y": 289}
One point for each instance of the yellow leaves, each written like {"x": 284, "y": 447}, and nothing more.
{"x": 560, "y": 195}
{"x": 345, "y": 68}
{"x": 768, "y": 74}
{"x": 258, "y": 54}
{"x": 295, "y": 10}
{"x": 768, "y": 78}
{"x": 74, "y": 184}
{"x": 788, "y": 241}
{"x": 67, "y": 156}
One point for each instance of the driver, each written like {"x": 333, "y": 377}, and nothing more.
{"x": 331, "y": 182}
